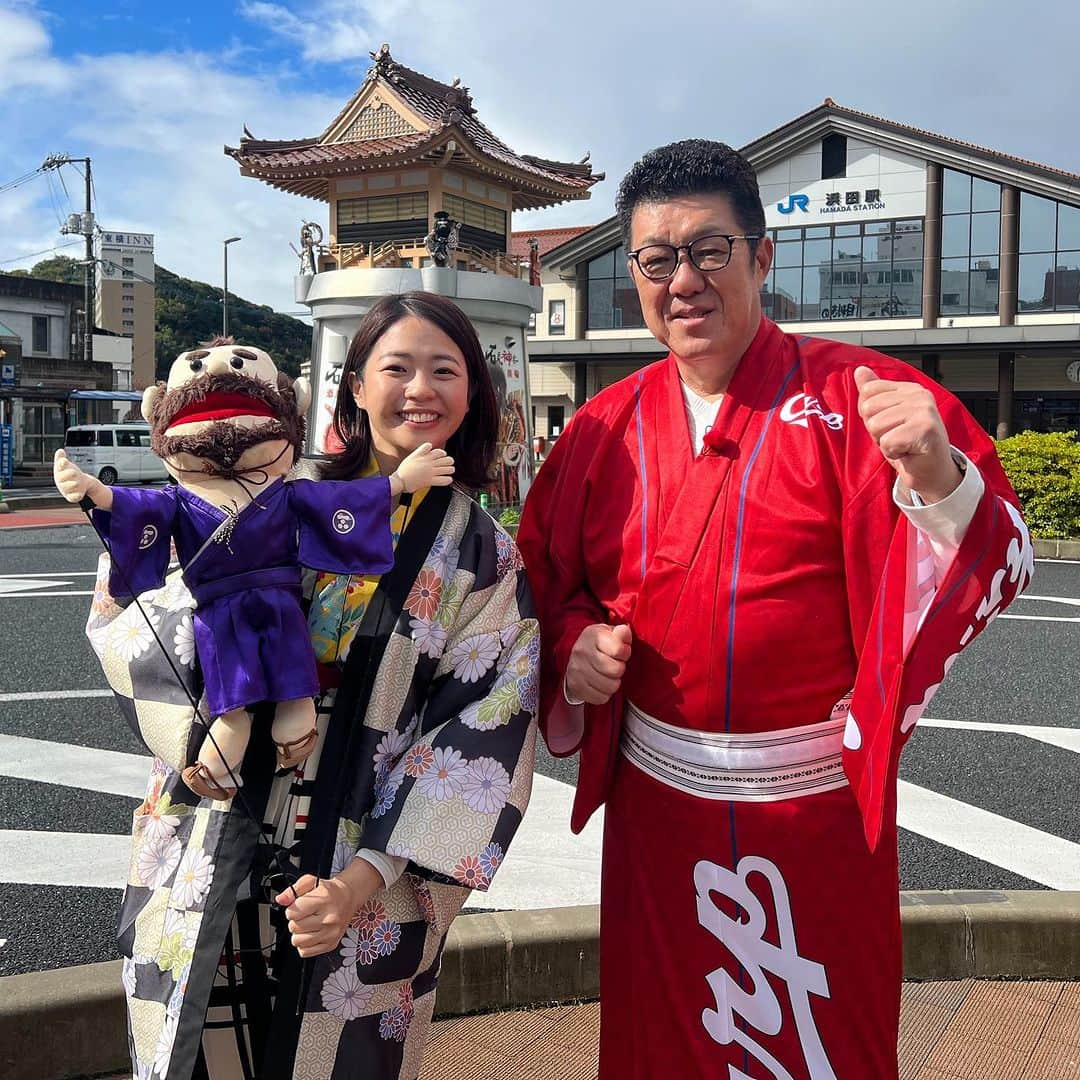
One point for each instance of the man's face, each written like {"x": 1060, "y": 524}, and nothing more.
{"x": 700, "y": 316}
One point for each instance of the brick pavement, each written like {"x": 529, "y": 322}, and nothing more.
{"x": 964, "y": 1030}
{"x": 28, "y": 519}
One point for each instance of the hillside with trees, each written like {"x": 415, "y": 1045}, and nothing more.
{"x": 188, "y": 312}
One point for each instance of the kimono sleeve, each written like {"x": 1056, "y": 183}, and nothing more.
{"x": 551, "y": 539}
{"x": 906, "y": 640}
{"x": 344, "y": 524}
{"x": 137, "y": 533}
{"x": 454, "y": 793}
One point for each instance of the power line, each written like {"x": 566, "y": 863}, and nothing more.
{"x": 44, "y": 251}
{"x": 19, "y": 180}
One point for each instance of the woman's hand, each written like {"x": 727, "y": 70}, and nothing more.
{"x": 319, "y": 909}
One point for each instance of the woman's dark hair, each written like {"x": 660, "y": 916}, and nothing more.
{"x": 473, "y": 446}
{"x": 692, "y": 167}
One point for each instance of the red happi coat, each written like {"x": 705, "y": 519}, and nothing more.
{"x": 763, "y": 581}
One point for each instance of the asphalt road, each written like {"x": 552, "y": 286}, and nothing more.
{"x": 986, "y": 806}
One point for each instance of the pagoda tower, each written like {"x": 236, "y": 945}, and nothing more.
{"x": 420, "y": 195}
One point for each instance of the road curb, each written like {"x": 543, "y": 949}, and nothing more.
{"x": 1057, "y": 549}
{"x": 71, "y": 1022}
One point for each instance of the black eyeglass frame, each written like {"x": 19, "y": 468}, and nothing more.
{"x": 688, "y": 248}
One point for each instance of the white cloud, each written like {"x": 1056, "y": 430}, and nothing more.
{"x": 555, "y": 80}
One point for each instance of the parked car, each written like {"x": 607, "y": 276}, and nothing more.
{"x": 114, "y": 452}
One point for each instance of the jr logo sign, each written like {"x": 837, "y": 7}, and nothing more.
{"x": 802, "y": 202}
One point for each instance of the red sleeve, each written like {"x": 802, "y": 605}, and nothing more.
{"x": 551, "y": 541}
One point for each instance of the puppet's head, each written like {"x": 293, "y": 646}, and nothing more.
{"x": 224, "y": 410}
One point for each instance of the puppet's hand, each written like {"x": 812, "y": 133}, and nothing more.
{"x": 903, "y": 419}
{"x": 427, "y": 466}
{"x": 75, "y": 485}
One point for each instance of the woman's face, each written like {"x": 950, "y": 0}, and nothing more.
{"x": 415, "y": 389}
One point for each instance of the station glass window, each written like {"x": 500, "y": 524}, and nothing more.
{"x": 613, "y": 300}
{"x": 871, "y": 270}
{"x": 970, "y": 244}
{"x": 1049, "y": 275}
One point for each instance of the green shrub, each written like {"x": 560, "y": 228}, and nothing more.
{"x": 1045, "y": 470}
{"x": 511, "y": 515}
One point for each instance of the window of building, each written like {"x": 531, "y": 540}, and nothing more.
{"x": 613, "y": 300}
{"x": 41, "y": 333}
{"x": 970, "y": 244}
{"x": 128, "y": 260}
{"x": 128, "y": 311}
{"x": 1049, "y": 255}
{"x": 382, "y": 218}
{"x": 833, "y": 156}
{"x": 128, "y": 322}
{"x": 556, "y": 316}
{"x": 556, "y": 420}
{"x": 128, "y": 298}
{"x": 128, "y": 274}
{"x": 867, "y": 271}
{"x": 475, "y": 214}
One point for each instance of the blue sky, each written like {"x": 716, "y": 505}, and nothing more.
{"x": 151, "y": 92}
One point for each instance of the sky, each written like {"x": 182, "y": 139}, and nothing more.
{"x": 153, "y": 92}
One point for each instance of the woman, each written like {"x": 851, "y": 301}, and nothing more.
{"x": 422, "y": 773}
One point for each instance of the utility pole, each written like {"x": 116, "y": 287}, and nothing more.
{"x": 82, "y": 224}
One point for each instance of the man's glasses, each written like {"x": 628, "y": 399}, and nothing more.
{"x": 706, "y": 253}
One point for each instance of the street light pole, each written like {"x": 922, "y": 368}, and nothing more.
{"x": 225, "y": 290}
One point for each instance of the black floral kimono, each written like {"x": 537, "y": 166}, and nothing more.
{"x": 426, "y": 752}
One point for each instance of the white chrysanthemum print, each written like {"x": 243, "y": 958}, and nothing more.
{"x": 184, "y": 642}
{"x": 163, "y": 1053}
{"x": 487, "y": 786}
{"x": 193, "y": 878}
{"x": 144, "y": 1070}
{"x": 474, "y": 657}
{"x": 128, "y": 976}
{"x": 344, "y": 995}
{"x": 445, "y": 776}
{"x": 444, "y": 557}
{"x": 159, "y": 857}
{"x": 130, "y": 635}
{"x": 99, "y": 636}
{"x": 391, "y": 746}
{"x": 429, "y": 637}
{"x": 175, "y": 595}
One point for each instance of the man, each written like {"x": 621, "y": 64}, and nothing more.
{"x": 754, "y": 562}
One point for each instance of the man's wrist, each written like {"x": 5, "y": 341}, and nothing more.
{"x": 568, "y": 697}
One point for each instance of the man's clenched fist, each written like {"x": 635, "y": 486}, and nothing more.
{"x": 598, "y": 662}
{"x": 903, "y": 419}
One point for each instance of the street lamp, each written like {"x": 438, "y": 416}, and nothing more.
{"x": 225, "y": 290}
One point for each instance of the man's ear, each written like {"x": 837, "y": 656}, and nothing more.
{"x": 149, "y": 399}
{"x": 302, "y": 390}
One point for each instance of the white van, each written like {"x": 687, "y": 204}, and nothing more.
{"x": 114, "y": 452}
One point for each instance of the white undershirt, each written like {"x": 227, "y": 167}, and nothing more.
{"x": 700, "y": 415}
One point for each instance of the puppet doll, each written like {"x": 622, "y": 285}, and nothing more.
{"x": 228, "y": 427}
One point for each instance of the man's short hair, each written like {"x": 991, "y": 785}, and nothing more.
{"x": 692, "y": 167}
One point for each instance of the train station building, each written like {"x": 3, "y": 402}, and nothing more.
{"x": 960, "y": 260}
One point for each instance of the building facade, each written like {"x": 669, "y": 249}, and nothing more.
{"x": 962, "y": 261}
{"x": 124, "y": 299}
{"x": 43, "y": 362}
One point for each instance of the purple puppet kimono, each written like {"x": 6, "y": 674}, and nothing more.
{"x": 243, "y": 569}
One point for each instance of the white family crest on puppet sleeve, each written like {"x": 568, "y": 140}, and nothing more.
{"x": 760, "y": 1009}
